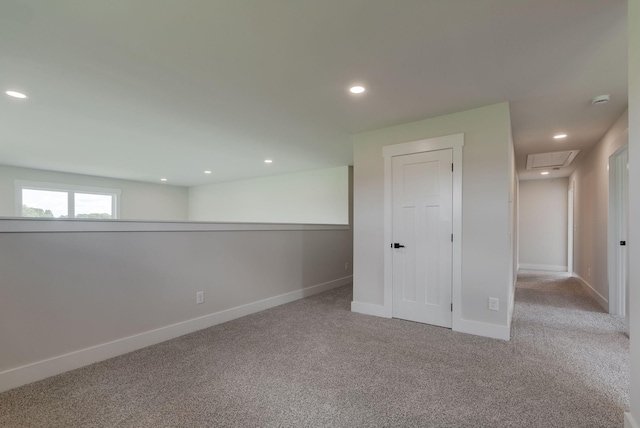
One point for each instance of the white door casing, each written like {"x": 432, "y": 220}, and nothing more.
{"x": 421, "y": 234}
{"x": 618, "y": 226}
{"x": 455, "y": 144}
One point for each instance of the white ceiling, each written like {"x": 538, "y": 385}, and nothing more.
{"x": 158, "y": 88}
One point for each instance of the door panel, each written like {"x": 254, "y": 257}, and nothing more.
{"x": 422, "y": 216}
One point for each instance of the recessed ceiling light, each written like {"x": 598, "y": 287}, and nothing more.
{"x": 560, "y": 136}
{"x": 544, "y": 173}
{"x": 207, "y": 172}
{"x": 163, "y": 179}
{"x": 15, "y": 94}
{"x": 357, "y": 89}
{"x": 268, "y": 161}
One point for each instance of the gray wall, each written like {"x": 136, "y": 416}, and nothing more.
{"x": 487, "y": 184}
{"x": 543, "y": 224}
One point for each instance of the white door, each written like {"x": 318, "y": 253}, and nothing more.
{"x": 422, "y": 237}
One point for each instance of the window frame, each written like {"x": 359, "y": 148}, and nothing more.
{"x": 71, "y": 190}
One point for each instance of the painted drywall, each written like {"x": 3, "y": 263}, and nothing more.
{"x": 543, "y": 224}
{"x": 590, "y": 181}
{"x": 65, "y": 293}
{"x": 486, "y": 186}
{"x": 318, "y": 197}
{"x": 514, "y": 234}
{"x": 633, "y": 418}
{"x": 139, "y": 201}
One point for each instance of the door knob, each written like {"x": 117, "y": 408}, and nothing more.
{"x": 396, "y": 245}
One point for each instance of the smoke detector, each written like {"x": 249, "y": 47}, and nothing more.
{"x": 600, "y": 99}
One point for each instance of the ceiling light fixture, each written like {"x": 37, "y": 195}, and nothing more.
{"x": 207, "y": 172}
{"x": 560, "y": 136}
{"x": 15, "y": 94}
{"x": 544, "y": 173}
{"x": 163, "y": 179}
{"x": 357, "y": 89}
{"x": 268, "y": 161}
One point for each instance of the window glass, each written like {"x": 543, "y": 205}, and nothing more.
{"x": 89, "y": 205}
{"x": 45, "y": 203}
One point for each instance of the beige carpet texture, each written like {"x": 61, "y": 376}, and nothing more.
{"x": 313, "y": 363}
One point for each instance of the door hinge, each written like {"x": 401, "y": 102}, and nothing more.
{"x": 452, "y": 307}
{"x": 452, "y": 237}
{"x": 451, "y": 167}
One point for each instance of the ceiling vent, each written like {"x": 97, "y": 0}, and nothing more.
{"x": 551, "y": 160}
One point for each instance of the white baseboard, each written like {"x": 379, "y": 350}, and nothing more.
{"x": 603, "y": 301}
{"x": 478, "y": 328}
{"x": 461, "y": 325}
{"x": 550, "y": 268}
{"x": 23, "y": 375}
{"x": 369, "y": 309}
{"x": 629, "y": 421}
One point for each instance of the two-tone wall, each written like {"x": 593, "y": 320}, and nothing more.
{"x": 78, "y": 292}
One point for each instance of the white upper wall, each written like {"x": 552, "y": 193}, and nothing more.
{"x": 486, "y": 253}
{"x": 591, "y": 209}
{"x": 543, "y": 224}
{"x": 139, "y": 201}
{"x": 312, "y": 197}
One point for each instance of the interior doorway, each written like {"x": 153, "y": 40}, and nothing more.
{"x": 618, "y": 228}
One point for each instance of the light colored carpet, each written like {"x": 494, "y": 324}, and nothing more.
{"x": 313, "y": 363}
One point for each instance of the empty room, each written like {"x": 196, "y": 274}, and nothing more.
{"x": 323, "y": 213}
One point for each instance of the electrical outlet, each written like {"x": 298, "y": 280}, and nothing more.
{"x": 494, "y": 304}
{"x": 199, "y": 297}
{"x": 346, "y": 266}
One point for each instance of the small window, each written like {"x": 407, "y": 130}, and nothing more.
{"x": 54, "y": 200}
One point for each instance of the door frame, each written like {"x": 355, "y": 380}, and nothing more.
{"x": 570, "y": 227}
{"x": 618, "y": 218}
{"x": 455, "y": 143}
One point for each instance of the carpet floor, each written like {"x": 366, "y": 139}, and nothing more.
{"x": 313, "y": 363}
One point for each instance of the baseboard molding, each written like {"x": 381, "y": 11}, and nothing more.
{"x": 629, "y": 421}
{"x": 33, "y": 372}
{"x": 602, "y": 301}
{"x": 549, "y": 268}
{"x": 369, "y": 309}
{"x": 461, "y": 325}
{"x": 478, "y": 328}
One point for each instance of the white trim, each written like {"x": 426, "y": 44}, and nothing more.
{"x": 478, "y": 328}
{"x": 456, "y": 143}
{"x": 570, "y": 225}
{"x": 46, "y": 225}
{"x": 550, "y": 268}
{"x": 593, "y": 292}
{"x": 370, "y": 309}
{"x": 23, "y": 375}
{"x": 616, "y": 260}
{"x": 629, "y": 421}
